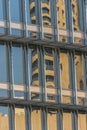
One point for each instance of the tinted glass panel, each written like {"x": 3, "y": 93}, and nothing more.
{"x": 52, "y": 120}
{"x": 20, "y": 118}
{"x": 64, "y": 69}
{"x": 36, "y": 119}
{"x": 2, "y": 11}
{"x": 79, "y": 72}
{"x": 15, "y": 10}
{"x": 4, "y": 118}
{"x": 82, "y": 121}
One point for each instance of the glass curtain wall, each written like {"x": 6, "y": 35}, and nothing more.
{"x": 77, "y": 21}
{"x": 62, "y": 26}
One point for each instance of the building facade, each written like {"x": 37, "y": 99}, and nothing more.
{"x": 43, "y": 65}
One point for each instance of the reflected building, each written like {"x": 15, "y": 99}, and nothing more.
{"x": 43, "y": 71}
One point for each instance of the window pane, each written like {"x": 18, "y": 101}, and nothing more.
{"x": 61, "y": 12}
{"x": 20, "y": 119}
{"x": 67, "y": 121}
{"x": 2, "y": 11}
{"x": 82, "y": 120}
{"x": 4, "y": 118}
{"x": 64, "y": 69}
{"x": 18, "y": 83}
{"x": 36, "y": 119}
{"x": 15, "y": 10}
{"x": 77, "y": 20}
{"x": 52, "y": 120}
{"x": 33, "y": 69}
{"x": 3, "y": 72}
{"x": 46, "y": 12}
{"x": 31, "y": 11}
{"x": 79, "y": 72}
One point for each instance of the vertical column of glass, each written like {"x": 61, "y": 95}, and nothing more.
{"x": 79, "y": 75}
{"x": 50, "y": 88}
{"x": 47, "y": 19}
{"x": 82, "y": 121}
{"x": 77, "y": 21}
{"x": 31, "y": 18}
{"x": 62, "y": 25}
{"x": 36, "y": 119}
{"x": 52, "y": 120}
{"x": 33, "y": 71}
{"x": 67, "y": 120}
{"x": 3, "y": 72}
{"x": 18, "y": 71}
{"x": 4, "y": 118}
{"x": 20, "y": 118}
{"x": 16, "y": 16}
{"x": 2, "y": 15}
{"x": 65, "y": 77}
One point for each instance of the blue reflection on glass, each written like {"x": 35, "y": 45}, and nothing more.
{"x": 15, "y": 10}
{"x": 2, "y": 9}
{"x": 17, "y": 65}
{"x": 3, "y": 78}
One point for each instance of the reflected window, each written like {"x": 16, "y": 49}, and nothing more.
{"x": 16, "y": 10}
{"x": 82, "y": 121}
{"x": 36, "y": 119}
{"x": 77, "y": 20}
{"x": 33, "y": 71}
{"x": 61, "y": 12}
{"x": 49, "y": 67}
{"x": 4, "y": 118}
{"x": 20, "y": 118}
{"x": 64, "y": 70}
{"x": 67, "y": 121}
{"x": 46, "y": 12}
{"x": 2, "y": 9}
{"x": 52, "y": 120}
{"x": 79, "y": 71}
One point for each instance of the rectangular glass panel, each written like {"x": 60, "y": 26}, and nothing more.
{"x": 52, "y": 120}
{"x": 33, "y": 70}
{"x": 77, "y": 20}
{"x": 64, "y": 70}
{"x": 3, "y": 72}
{"x": 79, "y": 71}
{"x": 82, "y": 121}
{"x": 4, "y": 118}
{"x": 80, "y": 101}
{"x": 31, "y": 11}
{"x": 17, "y": 60}
{"x": 20, "y": 119}
{"x": 2, "y": 9}
{"x": 67, "y": 121}
{"x": 66, "y": 100}
{"x": 49, "y": 74}
{"x": 15, "y": 10}
{"x": 36, "y": 119}
{"x": 46, "y": 12}
{"x": 61, "y": 13}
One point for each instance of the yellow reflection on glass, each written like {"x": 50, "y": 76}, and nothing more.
{"x": 4, "y": 118}
{"x": 52, "y": 120}
{"x": 67, "y": 121}
{"x": 61, "y": 19}
{"x": 79, "y": 72}
{"x": 20, "y": 118}
{"x": 82, "y": 120}
{"x": 36, "y": 119}
{"x": 64, "y": 70}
